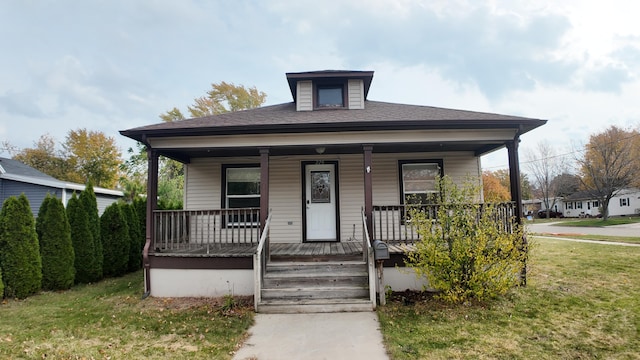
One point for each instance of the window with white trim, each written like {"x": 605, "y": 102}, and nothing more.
{"x": 418, "y": 181}
{"x": 241, "y": 190}
{"x": 624, "y": 202}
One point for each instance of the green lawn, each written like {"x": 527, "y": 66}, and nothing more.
{"x": 109, "y": 320}
{"x": 582, "y": 302}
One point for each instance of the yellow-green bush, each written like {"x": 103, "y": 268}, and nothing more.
{"x": 464, "y": 251}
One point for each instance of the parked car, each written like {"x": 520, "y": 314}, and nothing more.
{"x": 552, "y": 214}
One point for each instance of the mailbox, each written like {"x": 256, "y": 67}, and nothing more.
{"x": 380, "y": 250}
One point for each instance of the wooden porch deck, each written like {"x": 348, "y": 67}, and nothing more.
{"x": 319, "y": 249}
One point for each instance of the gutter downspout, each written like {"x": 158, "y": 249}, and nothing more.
{"x": 152, "y": 202}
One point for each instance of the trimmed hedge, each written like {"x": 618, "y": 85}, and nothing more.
{"x": 135, "y": 251}
{"x": 56, "y": 249}
{"x": 19, "y": 249}
{"x": 85, "y": 262}
{"x": 115, "y": 241}
{"x": 90, "y": 204}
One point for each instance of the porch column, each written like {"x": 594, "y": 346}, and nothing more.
{"x": 368, "y": 187}
{"x": 152, "y": 204}
{"x": 514, "y": 177}
{"x": 264, "y": 187}
{"x": 516, "y": 196}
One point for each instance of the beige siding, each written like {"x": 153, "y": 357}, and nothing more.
{"x": 203, "y": 186}
{"x": 304, "y": 96}
{"x": 351, "y": 196}
{"x": 356, "y": 94}
{"x": 285, "y": 199}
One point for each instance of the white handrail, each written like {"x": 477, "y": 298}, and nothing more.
{"x": 260, "y": 259}
{"x": 369, "y": 258}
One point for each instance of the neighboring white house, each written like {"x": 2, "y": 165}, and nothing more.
{"x": 17, "y": 178}
{"x": 582, "y": 204}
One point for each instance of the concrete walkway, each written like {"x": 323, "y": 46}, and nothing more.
{"x": 314, "y": 336}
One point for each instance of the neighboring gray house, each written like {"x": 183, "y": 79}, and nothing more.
{"x": 17, "y": 178}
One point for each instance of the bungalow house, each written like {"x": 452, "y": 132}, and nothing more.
{"x": 17, "y": 178}
{"x": 290, "y": 202}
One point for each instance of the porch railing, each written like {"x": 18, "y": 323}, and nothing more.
{"x": 369, "y": 259}
{"x": 392, "y": 224}
{"x": 261, "y": 258}
{"x": 205, "y": 230}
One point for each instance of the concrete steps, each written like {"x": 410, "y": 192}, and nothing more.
{"x": 315, "y": 286}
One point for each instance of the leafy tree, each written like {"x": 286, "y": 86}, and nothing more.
{"x": 85, "y": 262}
{"x": 505, "y": 179}
{"x": 610, "y": 164}
{"x": 135, "y": 250}
{"x": 56, "y": 249}
{"x": 45, "y": 157}
{"x": 566, "y": 184}
{"x": 115, "y": 241}
{"x": 95, "y": 155}
{"x": 545, "y": 164}
{"x": 90, "y": 206}
{"x": 172, "y": 115}
{"x": 226, "y": 97}
{"x": 494, "y": 191}
{"x": 19, "y": 249}
{"x": 466, "y": 254}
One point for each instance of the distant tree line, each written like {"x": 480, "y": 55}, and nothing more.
{"x": 63, "y": 247}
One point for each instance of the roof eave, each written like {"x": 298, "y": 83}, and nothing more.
{"x": 524, "y": 126}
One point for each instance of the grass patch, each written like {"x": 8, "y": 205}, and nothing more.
{"x": 582, "y": 301}
{"x": 109, "y": 320}
{"x": 600, "y": 222}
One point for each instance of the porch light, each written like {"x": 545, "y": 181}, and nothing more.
{"x": 320, "y": 150}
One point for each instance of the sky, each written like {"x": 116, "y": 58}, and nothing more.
{"x": 113, "y": 65}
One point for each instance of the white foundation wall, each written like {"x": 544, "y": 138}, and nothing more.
{"x": 400, "y": 279}
{"x": 200, "y": 283}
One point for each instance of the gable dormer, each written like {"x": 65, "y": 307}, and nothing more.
{"x": 329, "y": 89}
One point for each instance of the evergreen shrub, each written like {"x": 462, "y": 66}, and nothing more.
{"x": 19, "y": 249}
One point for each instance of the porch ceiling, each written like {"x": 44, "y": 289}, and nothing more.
{"x": 478, "y": 148}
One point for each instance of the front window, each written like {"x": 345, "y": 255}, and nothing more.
{"x": 330, "y": 96}
{"x": 624, "y": 202}
{"x": 242, "y": 190}
{"x": 418, "y": 181}
{"x": 579, "y": 205}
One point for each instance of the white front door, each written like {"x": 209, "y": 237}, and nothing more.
{"x": 320, "y": 202}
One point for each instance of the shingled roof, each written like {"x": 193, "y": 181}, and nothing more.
{"x": 14, "y": 167}
{"x": 375, "y": 115}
